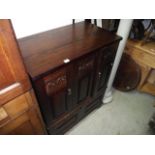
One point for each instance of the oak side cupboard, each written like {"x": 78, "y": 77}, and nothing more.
{"x": 69, "y": 68}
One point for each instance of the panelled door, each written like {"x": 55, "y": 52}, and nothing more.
{"x": 56, "y": 89}
{"x": 56, "y": 93}
{"x": 84, "y": 77}
{"x": 106, "y": 58}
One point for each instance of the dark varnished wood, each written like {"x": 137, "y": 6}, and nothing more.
{"x": 46, "y": 51}
{"x": 104, "y": 65}
{"x": 68, "y": 92}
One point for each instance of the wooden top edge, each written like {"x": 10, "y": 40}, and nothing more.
{"x": 62, "y": 42}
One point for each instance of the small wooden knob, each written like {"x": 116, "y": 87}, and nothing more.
{"x": 69, "y": 91}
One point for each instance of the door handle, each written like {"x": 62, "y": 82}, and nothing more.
{"x": 99, "y": 74}
{"x": 69, "y": 91}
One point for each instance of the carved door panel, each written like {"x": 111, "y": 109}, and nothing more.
{"x": 56, "y": 93}
{"x": 56, "y": 90}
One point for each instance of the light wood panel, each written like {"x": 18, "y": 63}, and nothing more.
{"x": 21, "y": 116}
{"x": 27, "y": 124}
{"x": 145, "y": 58}
{"x": 13, "y": 77}
{"x": 19, "y": 112}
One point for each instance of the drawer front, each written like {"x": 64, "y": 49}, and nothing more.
{"x": 14, "y": 108}
{"x": 21, "y": 116}
{"x": 55, "y": 82}
{"x": 26, "y": 124}
{"x": 141, "y": 56}
{"x": 63, "y": 126}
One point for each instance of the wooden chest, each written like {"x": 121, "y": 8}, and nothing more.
{"x": 69, "y": 68}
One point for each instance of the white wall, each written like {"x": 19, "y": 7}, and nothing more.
{"x": 25, "y": 27}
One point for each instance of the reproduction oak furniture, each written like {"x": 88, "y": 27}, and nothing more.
{"x": 19, "y": 112}
{"x": 144, "y": 56}
{"x": 69, "y": 68}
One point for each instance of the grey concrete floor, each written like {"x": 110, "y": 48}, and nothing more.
{"x": 127, "y": 114}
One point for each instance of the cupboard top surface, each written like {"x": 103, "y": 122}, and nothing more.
{"x": 46, "y": 51}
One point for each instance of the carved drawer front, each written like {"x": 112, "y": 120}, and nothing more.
{"x": 55, "y": 82}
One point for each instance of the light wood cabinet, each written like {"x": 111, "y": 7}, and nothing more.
{"x": 13, "y": 78}
{"x": 21, "y": 116}
{"x": 19, "y": 112}
{"x": 144, "y": 56}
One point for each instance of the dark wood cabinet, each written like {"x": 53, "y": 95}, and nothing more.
{"x": 85, "y": 74}
{"x": 104, "y": 65}
{"x": 59, "y": 90}
{"x": 69, "y": 70}
{"x": 56, "y": 90}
